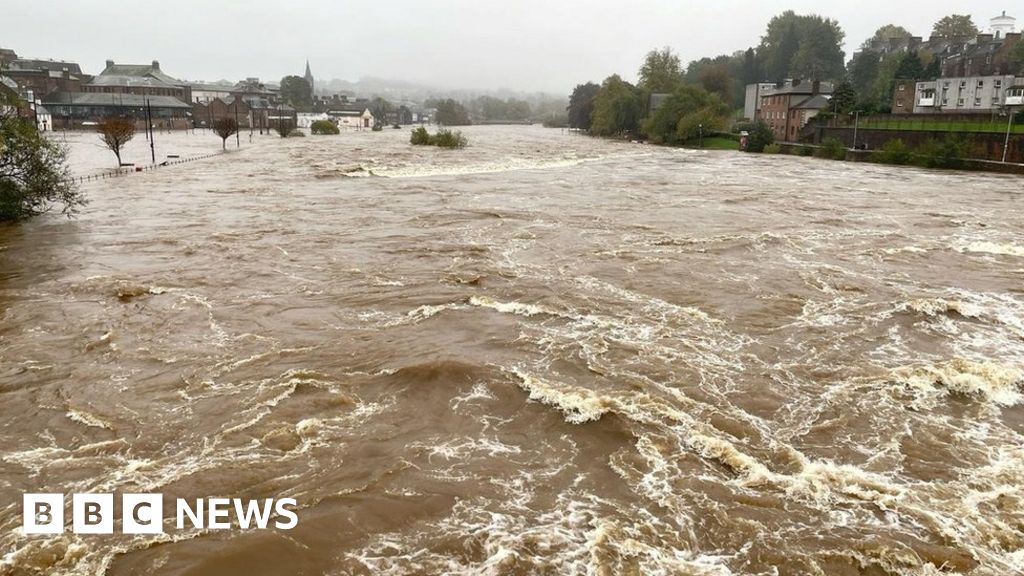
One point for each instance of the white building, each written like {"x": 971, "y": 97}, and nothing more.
{"x": 976, "y": 94}
{"x": 357, "y": 117}
{"x": 306, "y": 119}
{"x": 1002, "y": 25}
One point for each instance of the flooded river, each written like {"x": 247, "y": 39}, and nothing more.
{"x": 543, "y": 354}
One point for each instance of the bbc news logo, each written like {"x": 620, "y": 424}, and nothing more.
{"x": 144, "y": 514}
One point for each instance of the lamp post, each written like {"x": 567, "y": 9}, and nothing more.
{"x": 700, "y": 141}
{"x": 1009, "y": 129}
{"x": 856, "y": 127}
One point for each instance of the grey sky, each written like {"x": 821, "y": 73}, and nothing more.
{"x": 520, "y": 44}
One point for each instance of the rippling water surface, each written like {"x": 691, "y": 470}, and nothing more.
{"x": 544, "y": 354}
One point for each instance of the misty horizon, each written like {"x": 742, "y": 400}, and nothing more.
{"x": 450, "y": 45}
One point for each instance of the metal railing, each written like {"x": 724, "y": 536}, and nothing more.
{"x": 124, "y": 171}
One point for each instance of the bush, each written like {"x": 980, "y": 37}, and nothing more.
{"x": 444, "y": 138}
{"x": 832, "y": 149}
{"x": 296, "y": 133}
{"x": 773, "y": 149}
{"x": 420, "y": 137}
{"x": 894, "y": 152}
{"x": 323, "y": 127}
{"x": 947, "y": 153}
{"x": 805, "y": 151}
{"x": 449, "y": 139}
{"x": 759, "y": 136}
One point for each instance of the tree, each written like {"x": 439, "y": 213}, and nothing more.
{"x": 225, "y": 128}
{"x": 34, "y": 174}
{"x": 864, "y": 70}
{"x": 803, "y": 46}
{"x": 1016, "y": 58}
{"x": 717, "y": 79}
{"x": 115, "y": 133}
{"x": 618, "y": 107}
{"x": 581, "y": 105}
{"x": 684, "y": 114}
{"x": 910, "y": 67}
{"x": 295, "y": 90}
{"x": 886, "y": 33}
{"x": 661, "y": 71}
{"x": 759, "y": 136}
{"x": 955, "y": 26}
{"x": 451, "y": 113}
{"x": 844, "y": 98}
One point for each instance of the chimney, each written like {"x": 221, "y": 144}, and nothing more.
{"x": 816, "y": 87}
{"x": 156, "y": 64}
{"x": 110, "y": 63}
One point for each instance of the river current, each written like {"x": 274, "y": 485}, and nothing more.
{"x": 543, "y": 354}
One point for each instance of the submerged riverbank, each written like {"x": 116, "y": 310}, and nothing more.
{"x": 539, "y": 354}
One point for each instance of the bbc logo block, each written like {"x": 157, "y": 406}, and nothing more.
{"x": 144, "y": 514}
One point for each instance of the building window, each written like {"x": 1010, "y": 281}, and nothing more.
{"x": 981, "y": 83}
{"x": 903, "y": 87}
{"x": 977, "y": 101}
{"x": 960, "y": 102}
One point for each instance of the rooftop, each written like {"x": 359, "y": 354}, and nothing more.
{"x": 117, "y": 100}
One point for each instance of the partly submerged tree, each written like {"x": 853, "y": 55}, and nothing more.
{"x": 581, "y": 105}
{"x": 34, "y": 175}
{"x": 115, "y": 133}
{"x": 955, "y": 26}
{"x": 451, "y": 113}
{"x": 225, "y": 128}
{"x": 661, "y": 72}
{"x": 324, "y": 127}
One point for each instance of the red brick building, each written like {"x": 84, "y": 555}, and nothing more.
{"x": 788, "y": 108}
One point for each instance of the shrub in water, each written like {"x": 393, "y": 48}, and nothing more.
{"x": 322, "y": 127}
{"x": 805, "y": 151}
{"x": 947, "y": 153}
{"x": 449, "y": 139}
{"x": 773, "y": 149}
{"x": 420, "y": 137}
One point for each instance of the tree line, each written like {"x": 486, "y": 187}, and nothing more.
{"x": 708, "y": 91}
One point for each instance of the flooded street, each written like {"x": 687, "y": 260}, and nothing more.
{"x": 543, "y": 354}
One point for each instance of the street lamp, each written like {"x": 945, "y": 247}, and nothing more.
{"x": 856, "y": 127}
{"x": 700, "y": 143}
{"x": 1009, "y": 129}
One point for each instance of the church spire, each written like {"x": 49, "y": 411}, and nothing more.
{"x": 309, "y": 76}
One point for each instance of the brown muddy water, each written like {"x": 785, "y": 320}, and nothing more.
{"x": 544, "y": 354}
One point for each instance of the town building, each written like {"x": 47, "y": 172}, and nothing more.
{"x": 6, "y": 57}
{"x": 72, "y": 110}
{"x": 1002, "y": 25}
{"x": 789, "y": 107}
{"x": 352, "y": 114}
{"x": 968, "y": 95}
{"x": 752, "y": 101}
{"x": 139, "y": 80}
{"x": 206, "y": 92}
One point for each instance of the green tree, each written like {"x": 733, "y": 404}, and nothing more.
{"x": 297, "y": 92}
{"x": 34, "y": 175}
{"x": 681, "y": 115}
{"x": 863, "y": 71}
{"x": 324, "y": 127}
{"x": 933, "y": 70}
{"x": 955, "y": 26}
{"x": 804, "y": 46}
{"x": 618, "y": 107}
{"x": 886, "y": 33}
{"x": 581, "y": 105}
{"x": 718, "y": 79}
{"x": 1016, "y": 58}
{"x": 910, "y": 67}
{"x": 661, "y": 71}
{"x": 844, "y": 98}
{"x": 451, "y": 113}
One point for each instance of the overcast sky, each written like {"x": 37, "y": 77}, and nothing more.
{"x": 527, "y": 45}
